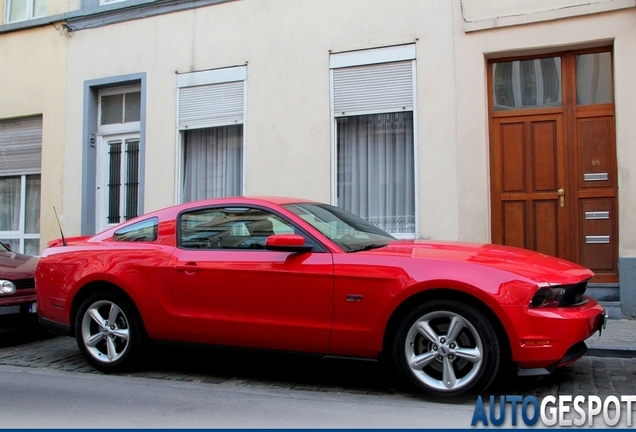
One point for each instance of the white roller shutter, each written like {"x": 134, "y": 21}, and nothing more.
{"x": 21, "y": 146}
{"x": 377, "y": 88}
{"x": 212, "y": 98}
{"x": 211, "y": 105}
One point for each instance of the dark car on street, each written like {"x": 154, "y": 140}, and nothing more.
{"x": 17, "y": 283}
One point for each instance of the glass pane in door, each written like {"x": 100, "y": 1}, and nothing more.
{"x": 594, "y": 78}
{"x": 523, "y": 84}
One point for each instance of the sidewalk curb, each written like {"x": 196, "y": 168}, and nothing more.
{"x": 611, "y": 352}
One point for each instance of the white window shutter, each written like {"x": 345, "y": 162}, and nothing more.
{"x": 21, "y": 146}
{"x": 377, "y": 88}
{"x": 211, "y": 105}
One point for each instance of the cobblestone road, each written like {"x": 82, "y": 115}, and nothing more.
{"x": 602, "y": 376}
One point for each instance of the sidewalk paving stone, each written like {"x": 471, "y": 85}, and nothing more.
{"x": 607, "y": 369}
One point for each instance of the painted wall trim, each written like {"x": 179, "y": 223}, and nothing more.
{"x": 546, "y": 15}
{"x": 89, "y": 153}
{"x": 92, "y": 15}
{"x": 101, "y": 16}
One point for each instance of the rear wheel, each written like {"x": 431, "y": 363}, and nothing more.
{"x": 108, "y": 332}
{"x": 446, "y": 349}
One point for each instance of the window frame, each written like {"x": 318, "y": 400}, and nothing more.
{"x": 318, "y": 247}
{"x": 29, "y": 8}
{"x": 119, "y": 236}
{"x": 20, "y": 234}
{"x": 106, "y": 2}
{"x": 209, "y": 77}
{"x": 116, "y": 128}
{"x": 517, "y": 83}
{"x": 116, "y": 131}
{"x": 92, "y": 88}
{"x": 370, "y": 57}
{"x": 102, "y": 178}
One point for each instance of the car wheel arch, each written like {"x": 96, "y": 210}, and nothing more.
{"x": 101, "y": 286}
{"x": 413, "y": 301}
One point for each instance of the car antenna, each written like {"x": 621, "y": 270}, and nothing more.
{"x": 59, "y": 225}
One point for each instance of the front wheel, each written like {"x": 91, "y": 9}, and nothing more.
{"x": 107, "y": 332}
{"x": 446, "y": 349}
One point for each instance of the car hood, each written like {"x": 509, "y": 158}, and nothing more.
{"x": 17, "y": 266}
{"x": 525, "y": 263}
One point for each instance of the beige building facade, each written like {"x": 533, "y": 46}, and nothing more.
{"x": 467, "y": 120}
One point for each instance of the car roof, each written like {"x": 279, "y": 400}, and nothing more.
{"x": 276, "y": 200}
{"x": 233, "y": 201}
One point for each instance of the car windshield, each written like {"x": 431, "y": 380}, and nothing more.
{"x": 348, "y": 231}
{"x": 3, "y": 248}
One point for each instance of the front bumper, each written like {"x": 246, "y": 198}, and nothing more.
{"x": 25, "y": 299}
{"x": 548, "y": 338}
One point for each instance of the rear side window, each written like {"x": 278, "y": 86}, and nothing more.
{"x": 143, "y": 231}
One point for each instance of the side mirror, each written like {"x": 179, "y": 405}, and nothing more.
{"x": 286, "y": 243}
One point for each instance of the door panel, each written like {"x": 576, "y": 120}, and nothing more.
{"x": 514, "y": 224}
{"x": 546, "y": 227}
{"x": 596, "y": 149}
{"x": 525, "y": 198}
{"x": 544, "y": 156}
{"x": 597, "y": 222}
{"x": 596, "y": 195}
{"x": 512, "y": 157}
{"x": 253, "y": 298}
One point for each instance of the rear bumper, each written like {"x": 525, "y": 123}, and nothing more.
{"x": 553, "y": 337}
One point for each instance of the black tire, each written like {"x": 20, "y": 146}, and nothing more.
{"x": 108, "y": 332}
{"x": 442, "y": 366}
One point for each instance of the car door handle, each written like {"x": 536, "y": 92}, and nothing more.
{"x": 188, "y": 268}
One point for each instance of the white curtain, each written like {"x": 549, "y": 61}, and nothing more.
{"x": 10, "y": 198}
{"x": 376, "y": 169}
{"x": 32, "y": 214}
{"x": 213, "y": 163}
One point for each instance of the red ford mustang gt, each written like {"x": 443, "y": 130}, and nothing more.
{"x": 293, "y": 275}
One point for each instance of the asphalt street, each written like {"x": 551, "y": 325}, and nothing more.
{"x": 27, "y": 349}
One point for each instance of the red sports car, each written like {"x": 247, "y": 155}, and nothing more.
{"x": 294, "y": 275}
{"x": 17, "y": 284}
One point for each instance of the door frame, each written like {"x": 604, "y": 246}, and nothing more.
{"x": 571, "y": 164}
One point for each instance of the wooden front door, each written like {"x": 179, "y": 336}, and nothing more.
{"x": 553, "y": 158}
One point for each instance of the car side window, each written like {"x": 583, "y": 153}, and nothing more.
{"x": 143, "y": 231}
{"x": 231, "y": 228}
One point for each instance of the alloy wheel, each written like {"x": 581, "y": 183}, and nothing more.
{"x": 444, "y": 351}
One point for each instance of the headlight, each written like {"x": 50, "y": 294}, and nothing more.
{"x": 6, "y": 287}
{"x": 547, "y": 297}
{"x": 560, "y": 296}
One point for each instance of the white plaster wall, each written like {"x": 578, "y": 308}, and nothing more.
{"x": 286, "y": 46}
{"x": 32, "y": 82}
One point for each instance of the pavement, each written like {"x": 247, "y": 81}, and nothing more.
{"x": 607, "y": 369}
{"x": 617, "y": 340}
